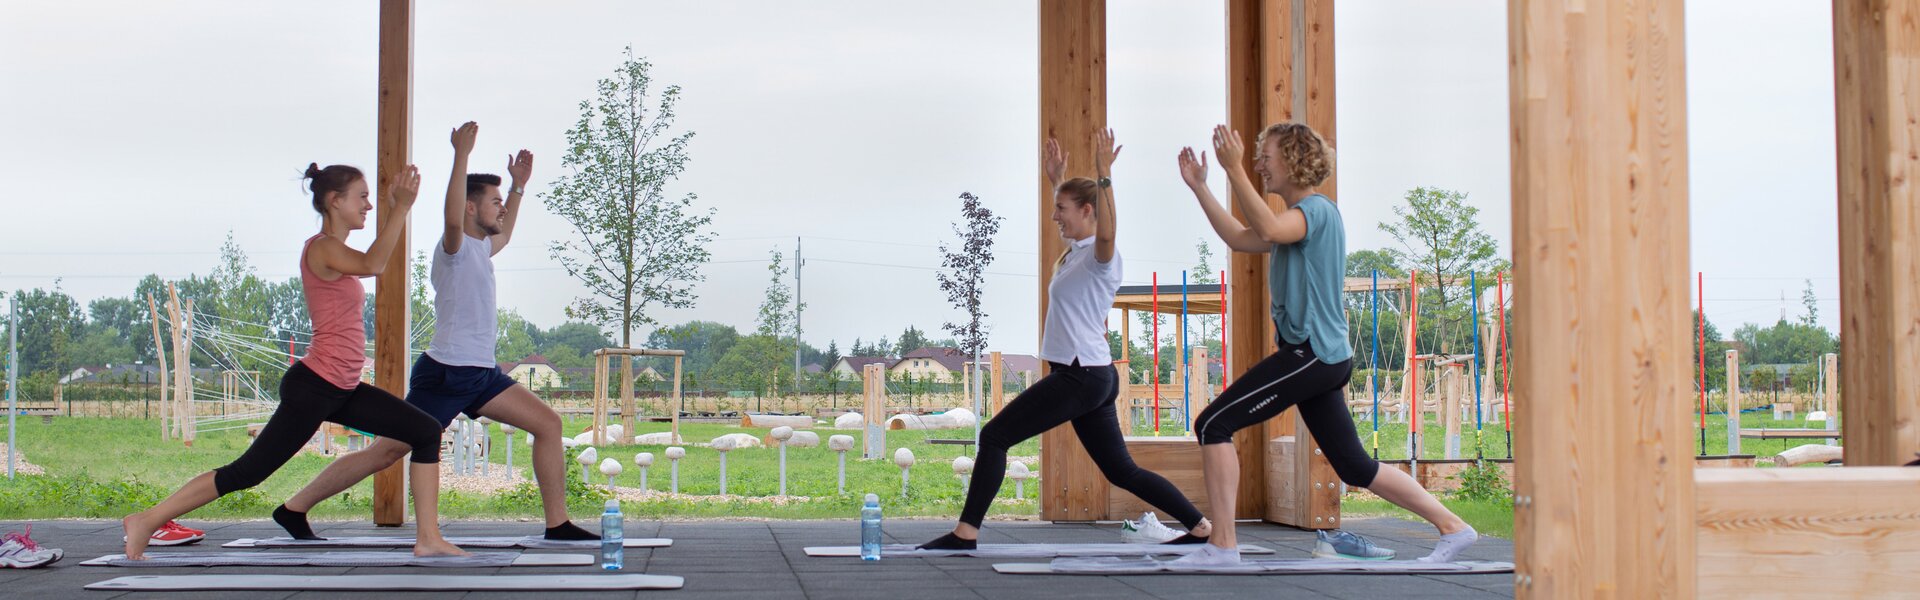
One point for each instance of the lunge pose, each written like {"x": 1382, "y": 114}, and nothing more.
{"x": 325, "y": 384}
{"x": 1306, "y": 247}
{"x": 1082, "y": 384}
{"x": 458, "y": 374}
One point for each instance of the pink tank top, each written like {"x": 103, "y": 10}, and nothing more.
{"x": 339, "y": 346}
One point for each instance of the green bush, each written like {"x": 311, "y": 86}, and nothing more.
{"x": 1483, "y": 481}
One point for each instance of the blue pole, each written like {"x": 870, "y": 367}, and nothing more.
{"x": 1187, "y": 406}
{"x": 1473, "y": 282}
{"x": 1376, "y": 364}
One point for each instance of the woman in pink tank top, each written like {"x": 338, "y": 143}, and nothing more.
{"x": 325, "y": 384}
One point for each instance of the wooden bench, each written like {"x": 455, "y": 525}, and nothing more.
{"x": 1789, "y": 434}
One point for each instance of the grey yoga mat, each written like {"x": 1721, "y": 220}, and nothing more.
{"x": 1031, "y": 550}
{"x": 490, "y": 583}
{"x": 531, "y": 541}
{"x": 1309, "y": 566}
{"x": 340, "y": 559}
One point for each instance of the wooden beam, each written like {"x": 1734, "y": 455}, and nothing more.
{"x": 391, "y": 321}
{"x": 1877, "y": 103}
{"x": 1279, "y": 68}
{"x": 1604, "y": 481}
{"x": 1808, "y": 533}
{"x": 1073, "y": 105}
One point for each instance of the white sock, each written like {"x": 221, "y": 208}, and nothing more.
{"x": 1208, "y": 555}
{"x": 1451, "y": 545}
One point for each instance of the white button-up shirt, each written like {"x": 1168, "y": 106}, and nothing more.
{"x": 1078, "y": 300}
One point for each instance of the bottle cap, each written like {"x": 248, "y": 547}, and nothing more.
{"x": 873, "y": 500}
{"x": 613, "y": 505}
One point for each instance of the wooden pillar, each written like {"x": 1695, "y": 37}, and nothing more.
{"x": 1279, "y": 68}
{"x": 873, "y": 396}
{"x": 1733, "y": 401}
{"x": 1604, "y": 504}
{"x": 160, "y": 365}
{"x": 996, "y": 388}
{"x": 1073, "y": 106}
{"x": 1877, "y": 104}
{"x": 677, "y": 398}
{"x": 391, "y": 320}
{"x": 602, "y": 383}
{"x": 627, "y": 409}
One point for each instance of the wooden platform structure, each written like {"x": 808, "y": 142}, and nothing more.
{"x": 1789, "y": 434}
{"x": 1600, "y": 231}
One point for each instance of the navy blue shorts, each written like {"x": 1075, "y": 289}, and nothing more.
{"x": 445, "y": 391}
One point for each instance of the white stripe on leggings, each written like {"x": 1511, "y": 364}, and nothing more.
{"x": 1203, "y": 427}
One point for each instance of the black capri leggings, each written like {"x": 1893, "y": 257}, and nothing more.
{"x": 1069, "y": 394}
{"x": 1294, "y": 377}
{"x": 306, "y": 400}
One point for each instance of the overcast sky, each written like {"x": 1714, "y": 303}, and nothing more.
{"x": 138, "y": 134}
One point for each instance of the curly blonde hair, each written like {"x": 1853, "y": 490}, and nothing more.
{"x": 1307, "y": 155}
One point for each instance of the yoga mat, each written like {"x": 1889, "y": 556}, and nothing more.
{"x": 490, "y": 583}
{"x": 531, "y": 541}
{"x": 341, "y": 559}
{"x": 1030, "y": 550}
{"x": 1304, "y": 566}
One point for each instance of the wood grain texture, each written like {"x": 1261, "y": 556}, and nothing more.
{"x": 391, "y": 321}
{"x": 1877, "y": 104}
{"x": 1605, "y": 485}
{"x": 1809, "y": 533}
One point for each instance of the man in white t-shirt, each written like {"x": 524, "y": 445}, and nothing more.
{"x": 458, "y": 373}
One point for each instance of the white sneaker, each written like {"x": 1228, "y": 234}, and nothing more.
{"x": 1451, "y": 545}
{"x": 20, "y": 552}
{"x": 1148, "y": 530}
{"x": 1207, "y": 555}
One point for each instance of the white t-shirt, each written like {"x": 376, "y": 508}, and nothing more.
{"x": 1078, "y": 300}
{"x": 465, "y": 324}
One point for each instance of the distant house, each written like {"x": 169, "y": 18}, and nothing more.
{"x": 813, "y": 369}
{"x": 942, "y": 365}
{"x": 851, "y": 365}
{"x": 534, "y": 372}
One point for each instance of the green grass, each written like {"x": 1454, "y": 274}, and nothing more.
{"x": 1490, "y": 517}
{"x": 109, "y": 467}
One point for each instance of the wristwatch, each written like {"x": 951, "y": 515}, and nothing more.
{"x": 1106, "y": 182}
{"x": 519, "y": 190}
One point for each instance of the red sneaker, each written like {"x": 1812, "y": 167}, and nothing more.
{"x": 172, "y": 534}
{"x": 177, "y": 525}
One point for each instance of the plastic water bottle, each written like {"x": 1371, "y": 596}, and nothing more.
{"x": 870, "y": 529}
{"x": 613, "y": 538}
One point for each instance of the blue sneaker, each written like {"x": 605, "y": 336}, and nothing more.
{"x": 1351, "y": 546}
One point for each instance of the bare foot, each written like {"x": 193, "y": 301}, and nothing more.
{"x": 436, "y": 547}
{"x": 139, "y": 533}
{"x": 1204, "y": 529}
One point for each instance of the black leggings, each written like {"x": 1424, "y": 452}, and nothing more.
{"x": 1294, "y": 377}
{"x": 305, "y": 401}
{"x": 1083, "y": 396}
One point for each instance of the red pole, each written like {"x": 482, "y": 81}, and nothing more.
{"x": 1506, "y": 376}
{"x": 1156, "y": 353}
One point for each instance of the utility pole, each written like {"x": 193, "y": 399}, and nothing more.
{"x": 798, "y": 264}
{"x": 13, "y": 377}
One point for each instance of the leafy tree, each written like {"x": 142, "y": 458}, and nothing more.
{"x": 50, "y": 322}
{"x": 582, "y": 337}
{"x": 703, "y": 341}
{"x": 515, "y": 337}
{"x": 1784, "y": 343}
{"x": 1812, "y": 303}
{"x": 910, "y": 340}
{"x": 1439, "y": 234}
{"x": 637, "y": 249}
{"x": 776, "y": 319}
{"x": 832, "y": 356}
{"x": 1716, "y": 352}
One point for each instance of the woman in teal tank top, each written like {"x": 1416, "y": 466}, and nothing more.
{"x": 1306, "y": 247}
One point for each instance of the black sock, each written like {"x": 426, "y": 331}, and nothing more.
{"x": 950, "y": 542}
{"x": 1187, "y": 538}
{"x": 569, "y": 531}
{"x": 295, "y": 523}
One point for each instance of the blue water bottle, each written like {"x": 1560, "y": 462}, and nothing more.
{"x": 613, "y": 538}
{"x": 870, "y": 529}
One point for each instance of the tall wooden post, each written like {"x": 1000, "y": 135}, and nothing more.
{"x": 1279, "y": 68}
{"x": 996, "y": 383}
{"x": 391, "y": 319}
{"x": 677, "y": 398}
{"x": 627, "y": 408}
{"x": 160, "y": 366}
{"x": 1604, "y": 504}
{"x": 1073, "y": 105}
{"x": 1877, "y": 103}
{"x": 873, "y": 395}
{"x": 602, "y": 383}
{"x": 1733, "y": 401}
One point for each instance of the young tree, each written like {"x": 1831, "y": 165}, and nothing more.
{"x": 637, "y": 249}
{"x": 1440, "y": 235}
{"x": 965, "y": 276}
{"x": 1812, "y": 302}
{"x": 776, "y": 319}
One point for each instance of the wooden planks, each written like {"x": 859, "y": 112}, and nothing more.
{"x": 1177, "y": 459}
{"x": 1073, "y": 105}
{"x": 391, "y": 321}
{"x": 1877, "y": 103}
{"x": 1808, "y": 533}
{"x": 1600, "y": 234}
{"x": 1279, "y": 68}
